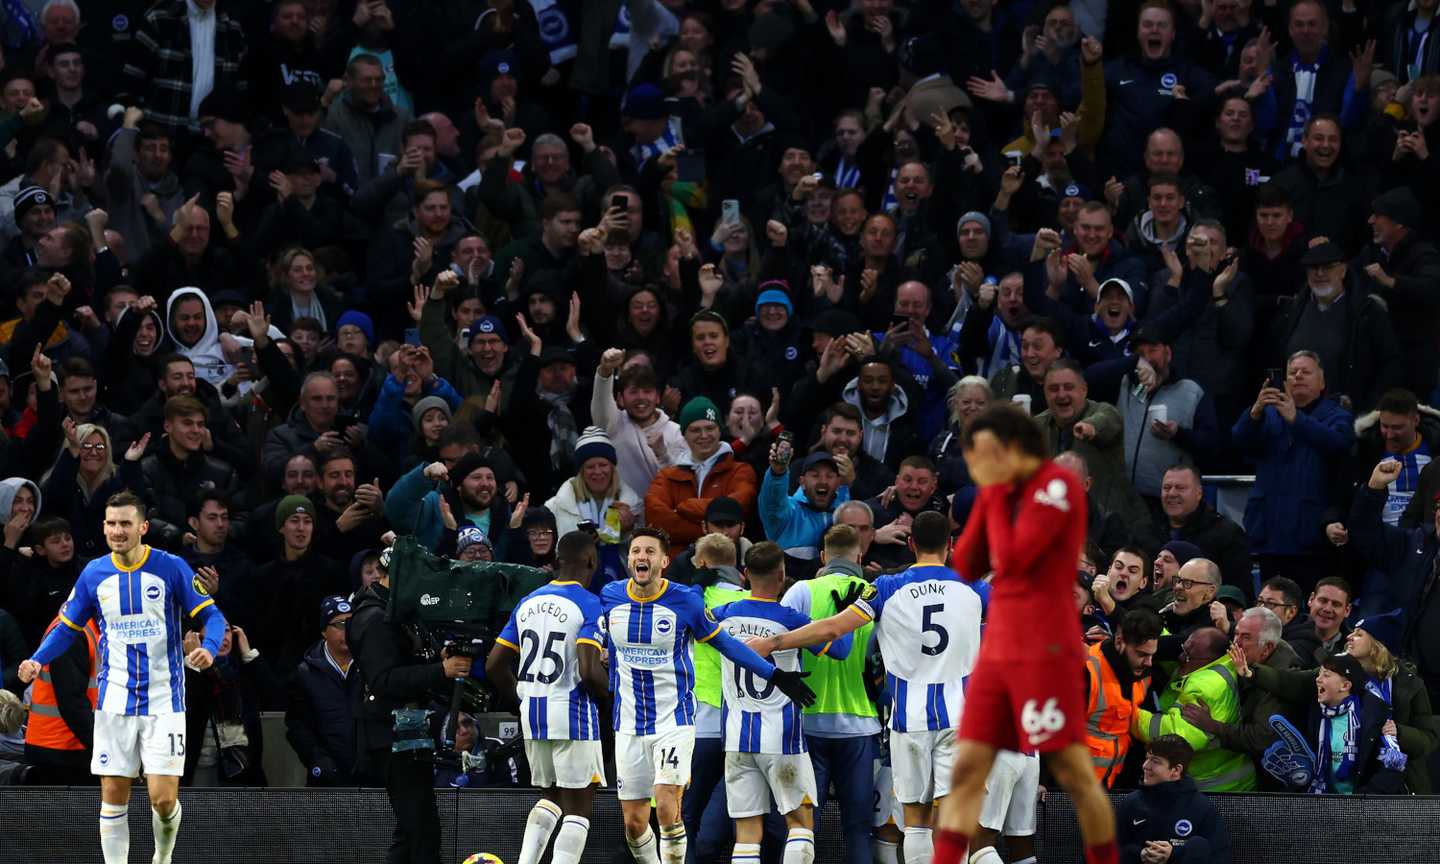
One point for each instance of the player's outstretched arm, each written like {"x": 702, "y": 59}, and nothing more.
{"x": 212, "y": 633}
{"x": 825, "y": 630}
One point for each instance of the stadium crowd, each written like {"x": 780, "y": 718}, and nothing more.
{"x": 308, "y": 274}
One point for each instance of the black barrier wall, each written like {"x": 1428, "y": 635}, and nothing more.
{"x": 298, "y": 826}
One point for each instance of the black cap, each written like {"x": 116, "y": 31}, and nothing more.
{"x": 225, "y": 104}
{"x": 1398, "y": 205}
{"x": 1149, "y": 335}
{"x": 555, "y": 354}
{"x": 301, "y": 98}
{"x": 819, "y": 457}
{"x": 1323, "y": 254}
{"x": 295, "y": 160}
{"x": 724, "y": 511}
{"x": 1349, "y": 668}
{"x": 836, "y": 322}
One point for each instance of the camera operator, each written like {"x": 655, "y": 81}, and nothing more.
{"x": 396, "y": 678}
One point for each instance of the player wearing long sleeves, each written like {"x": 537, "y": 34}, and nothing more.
{"x": 554, "y": 632}
{"x": 139, "y": 597}
{"x": 765, "y": 754}
{"x": 928, "y": 628}
{"x": 650, "y": 623}
{"x": 1027, "y": 526}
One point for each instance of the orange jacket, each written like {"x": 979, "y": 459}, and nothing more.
{"x": 672, "y": 502}
{"x": 1109, "y": 715}
{"x": 47, "y": 728}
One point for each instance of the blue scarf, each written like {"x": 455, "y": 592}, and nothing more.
{"x": 20, "y": 28}
{"x": 1347, "y": 712}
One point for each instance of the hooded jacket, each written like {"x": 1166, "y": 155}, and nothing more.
{"x": 206, "y": 353}
{"x": 1176, "y": 813}
{"x": 9, "y": 488}
{"x": 675, "y": 504}
{"x": 892, "y": 437}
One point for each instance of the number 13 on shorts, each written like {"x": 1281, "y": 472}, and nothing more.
{"x": 1041, "y": 722}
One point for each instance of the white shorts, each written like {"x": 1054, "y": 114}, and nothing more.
{"x": 567, "y": 764}
{"x": 643, "y": 762}
{"x": 1010, "y": 791}
{"x": 123, "y": 744}
{"x": 922, "y": 763}
{"x": 752, "y": 780}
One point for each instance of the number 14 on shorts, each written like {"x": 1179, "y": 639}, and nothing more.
{"x": 1041, "y": 722}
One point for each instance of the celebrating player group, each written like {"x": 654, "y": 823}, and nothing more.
{"x": 964, "y": 712}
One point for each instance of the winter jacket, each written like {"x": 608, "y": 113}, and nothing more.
{"x": 1104, "y": 455}
{"x": 1409, "y": 707}
{"x": 126, "y": 187}
{"x": 674, "y": 504}
{"x": 1370, "y": 450}
{"x": 1326, "y": 206}
{"x": 1407, "y": 560}
{"x": 791, "y": 520}
{"x": 1175, "y": 813}
{"x": 390, "y": 425}
{"x": 171, "y": 484}
{"x": 1372, "y": 362}
{"x": 290, "y": 593}
{"x": 1296, "y": 464}
{"x": 319, "y": 721}
{"x": 372, "y": 136}
{"x": 284, "y": 441}
{"x": 413, "y": 507}
{"x": 1414, "y": 305}
{"x": 1213, "y": 347}
{"x": 569, "y": 513}
{"x": 1300, "y": 634}
{"x": 1219, "y": 538}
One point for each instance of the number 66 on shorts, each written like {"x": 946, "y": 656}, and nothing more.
{"x": 1025, "y": 706}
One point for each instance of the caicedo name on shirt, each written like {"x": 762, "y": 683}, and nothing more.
{"x": 554, "y": 610}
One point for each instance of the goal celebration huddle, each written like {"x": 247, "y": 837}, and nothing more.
{"x": 972, "y": 696}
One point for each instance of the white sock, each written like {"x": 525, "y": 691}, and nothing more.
{"x": 115, "y": 833}
{"x": 884, "y": 851}
{"x": 800, "y": 846}
{"x": 539, "y": 825}
{"x": 672, "y": 843}
{"x": 988, "y": 855}
{"x": 919, "y": 846}
{"x": 642, "y": 848}
{"x": 166, "y": 829}
{"x": 570, "y": 842}
{"x": 745, "y": 853}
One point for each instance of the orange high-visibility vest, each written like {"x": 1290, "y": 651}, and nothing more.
{"x": 1109, "y": 715}
{"x": 47, "y": 728}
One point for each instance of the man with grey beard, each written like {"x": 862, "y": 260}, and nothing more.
{"x": 1349, "y": 330}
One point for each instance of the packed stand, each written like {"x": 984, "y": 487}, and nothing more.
{"x": 310, "y": 274}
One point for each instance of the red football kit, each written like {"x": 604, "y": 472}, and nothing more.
{"x": 1027, "y": 690}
